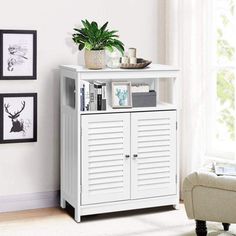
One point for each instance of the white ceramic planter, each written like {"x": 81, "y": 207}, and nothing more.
{"x": 95, "y": 59}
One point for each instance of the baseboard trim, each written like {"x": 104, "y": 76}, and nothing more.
{"x": 29, "y": 201}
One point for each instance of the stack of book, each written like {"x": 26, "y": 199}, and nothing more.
{"x": 93, "y": 96}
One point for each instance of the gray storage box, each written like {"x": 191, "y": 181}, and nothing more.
{"x": 144, "y": 99}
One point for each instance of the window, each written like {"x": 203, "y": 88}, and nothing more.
{"x": 221, "y": 117}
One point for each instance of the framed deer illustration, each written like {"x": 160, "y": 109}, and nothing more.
{"x": 18, "y": 117}
{"x": 18, "y": 54}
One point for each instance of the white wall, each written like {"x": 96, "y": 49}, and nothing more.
{"x": 34, "y": 167}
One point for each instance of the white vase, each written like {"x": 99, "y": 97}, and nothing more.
{"x": 94, "y": 59}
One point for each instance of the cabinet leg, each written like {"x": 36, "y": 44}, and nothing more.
{"x": 226, "y": 226}
{"x": 176, "y": 207}
{"x": 63, "y": 203}
{"x": 77, "y": 215}
{"x": 201, "y": 229}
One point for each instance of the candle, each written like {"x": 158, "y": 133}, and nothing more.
{"x": 132, "y": 52}
{"x": 133, "y": 60}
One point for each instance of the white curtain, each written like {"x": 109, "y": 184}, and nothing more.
{"x": 186, "y": 37}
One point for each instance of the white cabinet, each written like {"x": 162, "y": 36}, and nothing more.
{"x": 119, "y": 159}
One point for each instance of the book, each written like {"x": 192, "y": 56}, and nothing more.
{"x": 224, "y": 169}
{"x": 92, "y": 106}
{"x": 86, "y": 96}
{"x": 98, "y": 88}
{"x": 95, "y": 97}
{"x": 82, "y": 98}
{"x": 104, "y": 96}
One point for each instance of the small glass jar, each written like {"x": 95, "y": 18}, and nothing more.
{"x": 113, "y": 59}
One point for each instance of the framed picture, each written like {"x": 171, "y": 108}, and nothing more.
{"x": 18, "y": 117}
{"x": 18, "y": 54}
{"x": 121, "y": 95}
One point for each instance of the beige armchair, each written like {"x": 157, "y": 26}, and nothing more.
{"x": 208, "y": 197}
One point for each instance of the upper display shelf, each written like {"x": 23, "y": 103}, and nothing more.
{"x": 152, "y": 67}
{"x": 153, "y": 71}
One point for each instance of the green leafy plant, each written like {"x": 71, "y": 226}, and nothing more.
{"x": 93, "y": 37}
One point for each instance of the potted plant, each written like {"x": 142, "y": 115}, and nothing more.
{"x": 95, "y": 40}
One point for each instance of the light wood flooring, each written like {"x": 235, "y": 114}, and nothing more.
{"x": 149, "y": 222}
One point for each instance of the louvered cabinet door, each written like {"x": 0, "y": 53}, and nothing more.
{"x": 105, "y": 164}
{"x": 153, "y": 149}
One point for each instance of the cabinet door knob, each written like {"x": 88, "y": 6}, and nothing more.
{"x": 126, "y": 156}
{"x": 135, "y": 156}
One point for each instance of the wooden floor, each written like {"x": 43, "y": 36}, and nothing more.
{"x": 30, "y": 214}
{"x": 149, "y": 222}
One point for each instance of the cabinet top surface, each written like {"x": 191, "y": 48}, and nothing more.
{"x": 152, "y": 67}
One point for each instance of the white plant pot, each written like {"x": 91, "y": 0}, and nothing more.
{"x": 94, "y": 59}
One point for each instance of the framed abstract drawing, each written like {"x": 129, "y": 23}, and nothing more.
{"x": 18, "y": 117}
{"x": 18, "y": 54}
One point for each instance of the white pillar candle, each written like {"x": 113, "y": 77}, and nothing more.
{"x": 124, "y": 60}
{"x": 133, "y": 60}
{"x": 132, "y": 52}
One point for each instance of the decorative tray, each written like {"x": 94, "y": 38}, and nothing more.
{"x": 141, "y": 63}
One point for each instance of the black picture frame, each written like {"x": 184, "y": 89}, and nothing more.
{"x": 34, "y": 115}
{"x": 34, "y": 56}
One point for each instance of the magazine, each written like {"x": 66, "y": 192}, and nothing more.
{"x": 224, "y": 169}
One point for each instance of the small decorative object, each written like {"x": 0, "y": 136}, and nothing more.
{"x": 121, "y": 95}
{"x": 18, "y": 54}
{"x": 133, "y": 60}
{"x": 132, "y": 52}
{"x": 95, "y": 40}
{"x": 141, "y": 63}
{"x": 18, "y": 117}
{"x": 113, "y": 59}
{"x": 124, "y": 60}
